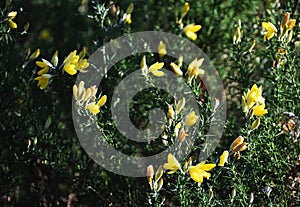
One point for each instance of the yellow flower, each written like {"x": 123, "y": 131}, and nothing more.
{"x": 237, "y": 146}
{"x": 252, "y": 98}
{"x": 255, "y": 96}
{"x": 223, "y": 158}
{"x": 291, "y": 24}
{"x": 86, "y": 97}
{"x": 191, "y": 119}
{"x": 199, "y": 171}
{"x": 43, "y": 80}
{"x": 42, "y": 64}
{"x": 93, "y": 108}
{"x": 11, "y": 16}
{"x": 287, "y": 23}
{"x": 81, "y": 65}
{"x": 259, "y": 110}
{"x": 162, "y": 51}
{"x": 194, "y": 69}
{"x": 43, "y": 71}
{"x": 172, "y": 164}
{"x": 271, "y": 30}
{"x": 286, "y": 26}
{"x": 70, "y": 69}
{"x": 176, "y": 69}
{"x": 290, "y": 36}
{"x": 190, "y": 31}
{"x": 154, "y": 69}
{"x": 159, "y": 184}
{"x": 70, "y": 61}
{"x": 74, "y": 62}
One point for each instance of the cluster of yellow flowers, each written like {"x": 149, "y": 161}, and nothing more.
{"x": 193, "y": 71}
{"x": 44, "y": 76}
{"x": 197, "y": 172}
{"x": 177, "y": 125}
{"x": 286, "y": 34}
{"x": 74, "y": 63}
{"x": 286, "y": 26}
{"x": 201, "y": 170}
{"x": 86, "y": 98}
{"x": 254, "y": 104}
{"x": 71, "y": 64}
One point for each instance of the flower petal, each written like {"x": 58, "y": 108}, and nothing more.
{"x": 196, "y": 174}
{"x": 191, "y": 35}
{"x": 156, "y": 66}
{"x": 269, "y": 26}
{"x": 102, "y": 101}
{"x": 176, "y": 69}
{"x": 157, "y": 73}
{"x": 206, "y": 167}
{"x": 43, "y": 71}
{"x": 223, "y": 158}
{"x": 259, "y": 110}
{"x": 70, "y": 69}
